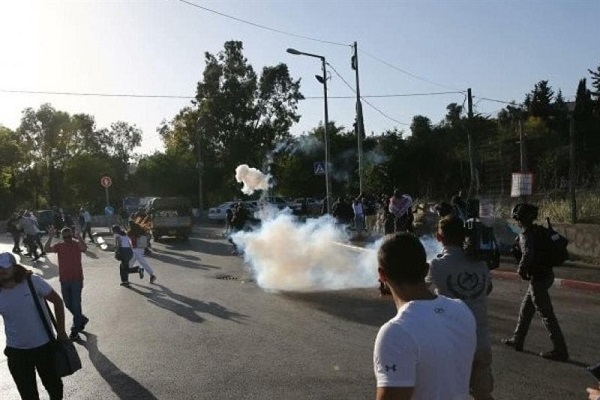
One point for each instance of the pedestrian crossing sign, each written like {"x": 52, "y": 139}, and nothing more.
{"x": 319, "y": 168}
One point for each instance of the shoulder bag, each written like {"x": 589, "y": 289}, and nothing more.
{"x": 66, "y": 359}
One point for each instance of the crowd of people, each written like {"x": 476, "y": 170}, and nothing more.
{"x": 437, "y": 346}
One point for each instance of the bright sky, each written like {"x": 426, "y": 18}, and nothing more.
{"x": 498, "y": 48}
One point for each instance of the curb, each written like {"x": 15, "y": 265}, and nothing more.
{"x": 562, "y": 283}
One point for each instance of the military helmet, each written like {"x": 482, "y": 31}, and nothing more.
{"x": 525, "y": 212}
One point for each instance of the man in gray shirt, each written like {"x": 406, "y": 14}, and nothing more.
{"x": 454, "y": 275}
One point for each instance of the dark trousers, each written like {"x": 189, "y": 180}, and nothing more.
{"x": 22, "y": 364}
{"x": 126, "y": 254}
{"x": 537, "y": 298}
{"x": 71, "y": 293}
{"x": 17, "y": 242}
{"x": 86, "y": 228}
{"x": 31, "y": 243}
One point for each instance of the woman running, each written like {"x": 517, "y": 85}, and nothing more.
{"x": 139, "y": 241}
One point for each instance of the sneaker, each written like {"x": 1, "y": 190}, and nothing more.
{"x": 555, "y": 355}
{"x": 512, "y": 342}
{"x": 152, "y": 278}
{"x": 141, "y": 272}
{"x": 125, "y": 284}
{"x": 74, "y": 335}
{"x": 85, "y": 321}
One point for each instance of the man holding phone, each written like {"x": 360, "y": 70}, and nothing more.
{"x": 70, "y": 273}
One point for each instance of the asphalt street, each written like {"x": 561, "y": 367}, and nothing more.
{"x": 205, "y": 330}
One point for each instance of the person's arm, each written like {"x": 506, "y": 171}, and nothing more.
{"x": 594, "y": 394}
{"x": 80, "y": 241}
{"x": 48, "y": 244}
{"x": 394, "y": 393}
{"x": 59, "y": 312}
{"x": 527, "y": 251}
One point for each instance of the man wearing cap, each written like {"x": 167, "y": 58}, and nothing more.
{"x": 537, "y": 298}
{"x": 70, "y": 273}
{"x": 28, "y": 347}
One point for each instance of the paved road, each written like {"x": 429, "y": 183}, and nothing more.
{"x": 195, "y": 336}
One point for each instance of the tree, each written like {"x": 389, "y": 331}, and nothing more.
{"x": 237, "y": 117}
{"x": 538, "y": 103}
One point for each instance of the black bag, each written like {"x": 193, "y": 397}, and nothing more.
{"x": 480, "y": 243}
{"x": 551, "y": 246}
{"x": 66, "y": 359}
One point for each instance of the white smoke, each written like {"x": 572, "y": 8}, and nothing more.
{"x": 286, "y": 255}
{"x": 252, "y": 178}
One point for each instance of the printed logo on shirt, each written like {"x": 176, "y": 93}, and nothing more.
{"x": 466, "y": 285}
{"x": 438, "y": 310}
{"x": 390, "y": 368}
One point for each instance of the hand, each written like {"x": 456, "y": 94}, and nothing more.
{"x": 62, "y": 336}
{"x": 524, "y": 275}
{"x": 594, "y": 394}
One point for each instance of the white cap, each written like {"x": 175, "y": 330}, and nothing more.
{"x": 7, "y": 260}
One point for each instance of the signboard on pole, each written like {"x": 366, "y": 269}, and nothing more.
{"x": 106, "y": 181}
{"x": 319, "y": 168}
{"x": 522, "y": 184}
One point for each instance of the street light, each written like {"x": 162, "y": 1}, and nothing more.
{"x": 323, "y": 81}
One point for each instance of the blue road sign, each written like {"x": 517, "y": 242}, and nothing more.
{"x": 319, "y": 168}
{"x": 108, "y": 210}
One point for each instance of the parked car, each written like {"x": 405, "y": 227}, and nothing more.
{"x": 279, "y": 202}
{"x": 313, "y": 206}
{"x": 170, "y": 216}
{"x": 218, "y": 214}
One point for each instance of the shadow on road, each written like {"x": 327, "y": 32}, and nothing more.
{"x": 47, "y": 268}
{"x": 91, "y": 254}
{"x": 365, "y": 308}
{"x": 124, "y": 386}
{"x": 210, "y": 247}
{"x": 181, "y": 263}
{"x": 184, "y": 306}
{"x": 174, "y": 253}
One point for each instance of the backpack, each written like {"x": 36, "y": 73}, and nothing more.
{"x": 551, "y": 246}
{"x": 480, "y": 243}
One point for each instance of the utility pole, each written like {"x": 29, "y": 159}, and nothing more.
{"x": 572, "y": 169}
{"x": 326, "y": 138}
{"x": 470, "y": 141}
{"x": 360, "y": 126}
{"x": 522, "y": 148}
{"x": 200, "y": 169}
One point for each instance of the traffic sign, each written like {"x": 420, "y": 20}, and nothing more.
{"x": 106, "y": 181}
{"x": 319, "y": 168}
{"x": 109, "y": 210}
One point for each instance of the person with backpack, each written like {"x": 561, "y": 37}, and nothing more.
{"x": 537, "y": 269}
{"x": 123, "y": 254}
{"x": 455, "y": 275}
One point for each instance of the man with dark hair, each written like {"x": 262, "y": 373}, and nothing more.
{"x": 454, "y": 275}
{"x": 70, "y": 274}
{"x": 541, "y": 278}
{"x": 426, "y": 350}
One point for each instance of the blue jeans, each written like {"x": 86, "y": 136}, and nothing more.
{"x": 71, "y": 293}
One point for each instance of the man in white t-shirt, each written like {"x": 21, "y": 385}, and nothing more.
{"x": 425, "y": 352}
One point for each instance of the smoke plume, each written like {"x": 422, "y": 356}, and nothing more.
{"x": 286, "y": 255}
{"x": 252, "y": 178}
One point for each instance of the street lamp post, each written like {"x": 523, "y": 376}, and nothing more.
{"x": 322, "y": 80}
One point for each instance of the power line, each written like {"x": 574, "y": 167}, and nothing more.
{"x": 366, "y": 101}
{"x": 95, "y": 94}
{"x": 261, "y": 26}
{"x": 407, "y": 72}
{"x": 159, "y": 96}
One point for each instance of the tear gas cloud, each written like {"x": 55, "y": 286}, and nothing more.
{"x": 285, "y": 255}
{"x": 252, "y": 178}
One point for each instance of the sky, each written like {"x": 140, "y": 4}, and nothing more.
{"x": 499, "y": 49}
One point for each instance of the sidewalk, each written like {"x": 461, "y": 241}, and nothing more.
{"x": 572, "y": 275}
